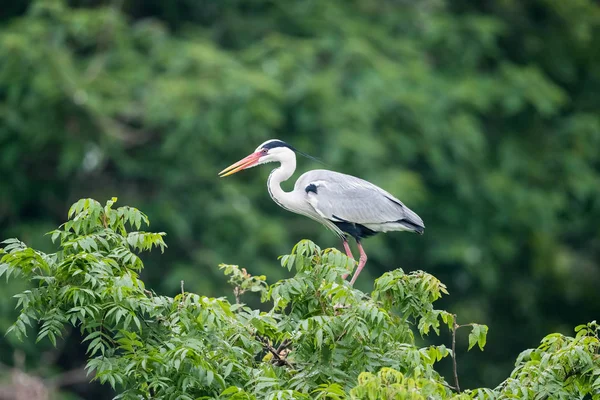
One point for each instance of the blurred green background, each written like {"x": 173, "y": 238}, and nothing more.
{"x": 482, "y": 116}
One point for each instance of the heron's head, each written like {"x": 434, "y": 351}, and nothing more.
{"x": 269, "y": 151}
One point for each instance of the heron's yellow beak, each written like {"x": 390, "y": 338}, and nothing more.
{"x": 244, "y": 163}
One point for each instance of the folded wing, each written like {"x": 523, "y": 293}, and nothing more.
{"x": 345, "y": 198}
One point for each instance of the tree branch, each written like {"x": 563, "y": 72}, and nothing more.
{"x": 455, "y": 326}
{"x": 283, "y": 345}
{"x": 272, "y": 350}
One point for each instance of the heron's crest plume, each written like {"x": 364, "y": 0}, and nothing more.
{"x": 273, "y": 143}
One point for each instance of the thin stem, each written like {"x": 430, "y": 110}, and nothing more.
{"x": 455, "y": 326}
{"x": 236, "y": 293}
{"x": 449, "y": 386}
{"x": 182, "y": 296}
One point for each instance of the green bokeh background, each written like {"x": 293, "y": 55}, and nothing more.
{"x": 482, "y": 116}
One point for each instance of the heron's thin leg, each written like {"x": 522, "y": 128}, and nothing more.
{"x": 348, "y": 253}
{"x": 347, "y": 248}
{"x": 361, "y": 263}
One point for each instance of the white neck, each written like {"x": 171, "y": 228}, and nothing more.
{"x": 282, "y": 174}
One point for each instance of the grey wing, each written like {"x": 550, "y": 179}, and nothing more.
{"x": 341, "y": 197}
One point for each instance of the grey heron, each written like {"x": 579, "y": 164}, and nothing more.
{"x": 343, "y": 203}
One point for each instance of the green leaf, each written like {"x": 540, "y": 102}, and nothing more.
{"x": 231, "y": 390}
{"x": 478, "y": 336}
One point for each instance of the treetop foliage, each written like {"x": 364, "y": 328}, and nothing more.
{"x": 317, "y": 338}
{"x": 480, "y": 115}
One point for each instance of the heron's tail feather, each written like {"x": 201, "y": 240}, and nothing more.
{"x": 411, "y": 226}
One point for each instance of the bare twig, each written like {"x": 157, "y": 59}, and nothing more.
{"x": 182, "y": 297}
{"x": 341, "y": 335}
{"x": 455, "y": 326}
{"x": 283, "y": 345}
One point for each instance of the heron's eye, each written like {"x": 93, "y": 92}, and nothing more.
{"x": 264, "y": 151}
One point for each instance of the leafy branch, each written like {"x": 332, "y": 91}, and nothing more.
{"x": 242, "y": 281}
{"x": 478, "y": 335}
